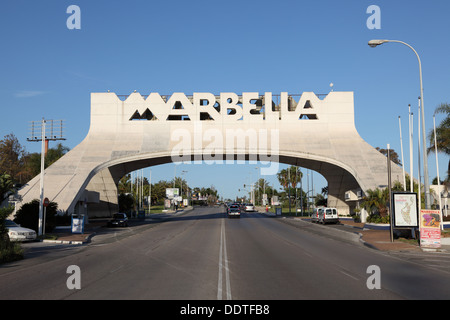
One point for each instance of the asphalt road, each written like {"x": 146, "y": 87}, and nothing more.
{"x": 203, "y": 255}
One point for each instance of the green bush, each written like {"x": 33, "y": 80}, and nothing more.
{"x": 377, "y": 218}
{"x": 126, "y": 202}
{"x": 4, "y": 213}
{"x": 9, "y": 251}
{"x": 28, "y": 216}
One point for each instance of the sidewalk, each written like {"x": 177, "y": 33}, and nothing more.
{"x": 65, "y": 236}
{"x": 379, "y": 239}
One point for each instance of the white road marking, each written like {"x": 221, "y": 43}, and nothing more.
{"x": 223, "y": 265}
{"x": 349, "y": 275}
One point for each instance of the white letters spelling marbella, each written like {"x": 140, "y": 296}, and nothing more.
{"x": 138, "y": 131}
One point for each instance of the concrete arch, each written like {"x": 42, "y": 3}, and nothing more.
{"x": 119, "y": 141}
{"x": 340, "y": 177}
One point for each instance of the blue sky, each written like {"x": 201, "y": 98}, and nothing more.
{"x": 278, "y": 46}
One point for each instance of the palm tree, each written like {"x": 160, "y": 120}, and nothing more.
{"x": 290, "y": 177}
{"x": 442, "y": 134}
{"x": 283, "y": 178}
{"x": 377, "y": 198}
{"x": 295, "y": 176}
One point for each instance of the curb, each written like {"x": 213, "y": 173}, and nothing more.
{"x": 367, "y": 244}
{"x": 86, "y": 240}
{"x": 63, "y": 242}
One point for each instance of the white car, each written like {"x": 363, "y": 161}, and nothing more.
{"x": 249, "y": 207}
{"x": 17, "y": 233}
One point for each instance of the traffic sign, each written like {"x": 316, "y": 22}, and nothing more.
{"x": 46, "y": 202}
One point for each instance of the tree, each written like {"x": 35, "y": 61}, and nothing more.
{"x": 12, "y": 158}
{"x": 4, "y": 213}
{"x": 53, "y": 154}
{"x": 124, "y": 185}
{"x": 442, "y": 134}
{"x": 6, "y": 186}
{"x": 295, "y": 176}
{"x": 392, "y": 154}
{"x": 28, "y": 215}
{"x": 126, "y": 202}
{"x": 378, "y": 199}
{"x": 283, "y": 178}
{"x": 33, "y": 160}
{"x": 159, "y": 191}
{"x": 289, "y": 178}
{"x": 9, "y": 251}
{"x": 182, "y": 185}
{"x": 320, "y": 200}
{"x": 262, "y": 186}
{"x": 398, "y": 186}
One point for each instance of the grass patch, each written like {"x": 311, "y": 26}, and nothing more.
{"x": 445, "y": 234}
{"x": 285, "y": 212}
{"x": 414, "y": 242}
{"x": 157, "y": 209}
{"x": 10, "y": 251}
{"x": 49, "y": 236}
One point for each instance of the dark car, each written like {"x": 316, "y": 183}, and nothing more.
{"x": 234, "y": 211}
{"x": 118, "y": 220}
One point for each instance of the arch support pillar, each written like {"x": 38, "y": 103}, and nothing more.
{"x": 104, "y": 184}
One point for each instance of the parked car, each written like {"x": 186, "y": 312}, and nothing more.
{"x": 234, "y": 211}
{"x": 18, "y": 233}
{"x": 249, "y": 207}
{"x": 118, "y": 220}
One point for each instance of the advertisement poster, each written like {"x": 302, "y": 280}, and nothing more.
{"x": 171, "y": 193}
{"x": 430, "y": 229}
{"x": 77, "y": 224}
{"x": 405, "y": 213}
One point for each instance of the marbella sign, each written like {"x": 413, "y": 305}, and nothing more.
{"x": 227, "y": 106}
{"x": 202, "y": 142}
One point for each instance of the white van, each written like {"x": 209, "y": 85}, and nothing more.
{"x": 328, "y": 215}
{"x": 315, "y": 214}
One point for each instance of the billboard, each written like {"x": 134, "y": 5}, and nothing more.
{"x": 430, "y": 228}
{"x": 172, "y": 193}
{"x": 405, "y": 212}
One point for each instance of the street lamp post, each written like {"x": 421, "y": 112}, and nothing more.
{"x": 182, "y": 173}
{"x": 373, "y": 44}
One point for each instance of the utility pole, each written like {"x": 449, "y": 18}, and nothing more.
{"x": 55, "y": 133}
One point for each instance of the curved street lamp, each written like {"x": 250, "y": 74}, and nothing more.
{"x": 377, "y": 42}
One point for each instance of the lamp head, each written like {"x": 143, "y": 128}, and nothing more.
{"x": 374, "y": 43}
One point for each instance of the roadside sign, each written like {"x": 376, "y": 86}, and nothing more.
{"x": 278, "y": 211}
{"x": 171, "y": 193}
{"x": 405, "y": 210}
{"x": 430, "y": 228}
{"x": 77, "y": 224}
{"x": 46, "y": 202}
